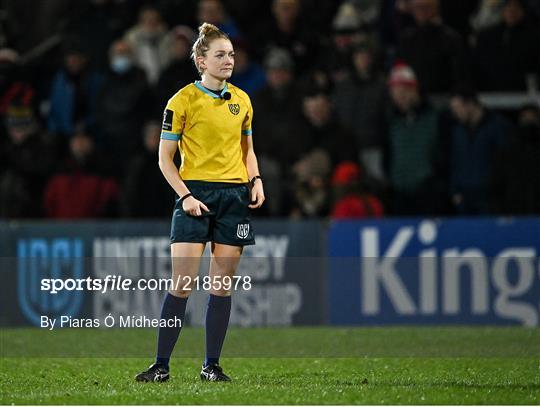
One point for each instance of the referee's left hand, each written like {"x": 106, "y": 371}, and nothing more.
{"x": 257, "y": 195}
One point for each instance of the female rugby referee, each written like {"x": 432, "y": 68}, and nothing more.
{"x": 217, "y": 185}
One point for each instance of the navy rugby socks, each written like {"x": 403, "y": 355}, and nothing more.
{"x": 217, "y": 321}
{"x": 167, "y": 336}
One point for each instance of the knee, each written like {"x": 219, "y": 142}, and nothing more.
{"x": 181, "y": 293}
{"x": 221, "y": 292}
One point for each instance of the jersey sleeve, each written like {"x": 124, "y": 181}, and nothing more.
{"x": 246, "y": 125}
{"x": 174, "y": 118}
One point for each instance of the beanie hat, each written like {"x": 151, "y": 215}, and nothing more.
{"x": 402, "y": 74}
{"x": 346, "y": 19}
{"x": 346, "y": 173}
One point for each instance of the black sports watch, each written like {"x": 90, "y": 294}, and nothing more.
{"x": 252, "y": 182}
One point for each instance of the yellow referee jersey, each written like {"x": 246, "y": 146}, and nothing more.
{"x": 209, "y": 131}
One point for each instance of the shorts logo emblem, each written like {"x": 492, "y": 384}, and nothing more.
{"x": 234, "y": 108}
{"x": 243, "y": 230}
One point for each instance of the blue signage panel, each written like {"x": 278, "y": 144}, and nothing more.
{"x": 458, "y": 271}
{"x": 286, "y": 275}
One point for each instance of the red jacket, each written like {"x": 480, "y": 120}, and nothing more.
{"x": 80, "y": 195}
{"x": 357, "y": 206}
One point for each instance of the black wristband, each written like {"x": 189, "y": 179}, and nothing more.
{"x": 186, "y": 196}
{"x": 252, "y": 182}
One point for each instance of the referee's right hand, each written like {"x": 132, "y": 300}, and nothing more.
{"x": 194, "y": 207}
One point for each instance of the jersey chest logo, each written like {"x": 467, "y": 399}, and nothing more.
{"x": 234, "y": 108}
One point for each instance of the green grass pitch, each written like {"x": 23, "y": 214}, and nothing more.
{"x": 277, "y": 366}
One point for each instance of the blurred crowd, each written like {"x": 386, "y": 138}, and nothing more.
{"x": 344, "y": 126}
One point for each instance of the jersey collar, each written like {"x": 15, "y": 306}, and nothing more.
{"x": 199, "y": 86}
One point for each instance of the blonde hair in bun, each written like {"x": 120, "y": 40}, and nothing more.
{"x": 207, "y": 33}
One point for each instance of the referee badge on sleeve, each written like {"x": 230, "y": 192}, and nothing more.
{"x": 167, "y": 120}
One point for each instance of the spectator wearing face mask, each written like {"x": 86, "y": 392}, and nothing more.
{"x": 124, "y": 102}
{"x": 516, "y": 175}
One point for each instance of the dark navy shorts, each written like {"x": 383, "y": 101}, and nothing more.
{"x": 229, "y": 219}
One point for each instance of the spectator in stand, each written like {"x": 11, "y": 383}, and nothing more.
{"x": 477, "y": 139}
{"x": 278, "y": 112}
{"x": 345, "y": 34}
{"x": 286, "y": 30}
{"x": 309, "y": 195}
{"x": 177, "y": 12}
{"x": 98, "y": 24}
{"x": 73, "y": 95}
{"x": 181, "y": 70}
{"x": 516, "y": 178}
{"x": 435, "y": 52}
{"x": 360, "y": 103}
{"x": 149, "y": 43}
{"x": 213, "y": 12}
{"x": 534, "y": 7}
{"x": 123, "y": 104}
{"x": 368, "y": 12}
{"x": 16, "y": 88}
{"x": 27, "y": 158}
{"x": 488, "y": 15}
{"x": 320, "y": 13}
{"x": 352, "y": 201}
{"x": 248, "y": 75}
{"x": 321, "y": 130}
{"x": 146, "y": 194}
{"x": 26, "y": 23}
{"x": 458, "y": 15}
{"x": 353, "y": 23}
{"x": 414, "y": 148}
{"x": 14, "y": 85}
{"x": 508, "y": 53}
{"x": 79, "y": 190}
{"x": 395, "y": 18}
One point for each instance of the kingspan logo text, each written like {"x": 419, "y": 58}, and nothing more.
{"x": 447, "y": 282}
